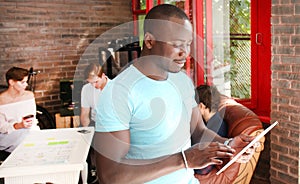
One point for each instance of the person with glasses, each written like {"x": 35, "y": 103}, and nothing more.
{"x": 147, "y": 117}
{"x": 17, "y": 111}
{"x": 96, "y": 81}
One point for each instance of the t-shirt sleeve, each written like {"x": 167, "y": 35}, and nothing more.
{"x": 189, "y": 89}
{"x": 192, "y": 87}
{"x": 113, "y": 112}
{"x": 84, "y": 97}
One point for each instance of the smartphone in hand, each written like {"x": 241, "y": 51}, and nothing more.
{"x": 28, "y": 117}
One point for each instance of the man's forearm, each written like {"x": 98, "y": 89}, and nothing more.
{"x": 137, "y": 171}
{"x": 84, "y": 121}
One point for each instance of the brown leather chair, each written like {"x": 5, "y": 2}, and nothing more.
{"x": 240, "y": 120}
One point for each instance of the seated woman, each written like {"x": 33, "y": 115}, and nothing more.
{"x": 17, "y": 111}
{"x": 208, "y": 100}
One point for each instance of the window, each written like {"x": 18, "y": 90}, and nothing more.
{"x": 236, "y": 50}
{"x": 232, "y": 49}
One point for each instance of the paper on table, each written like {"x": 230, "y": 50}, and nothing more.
{"x": 256, "y": 139}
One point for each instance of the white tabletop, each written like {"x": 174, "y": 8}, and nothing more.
{"x": 49, "y": 151}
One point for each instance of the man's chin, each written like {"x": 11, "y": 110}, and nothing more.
{"x": 175, "y": 70}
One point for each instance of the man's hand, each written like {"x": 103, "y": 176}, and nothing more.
{"x": 202, "y": 155}
{"x": 248, "y": 154}
{"x": 239, "y": 142}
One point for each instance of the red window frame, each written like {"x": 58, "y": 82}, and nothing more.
{"x": 260, "y": 54}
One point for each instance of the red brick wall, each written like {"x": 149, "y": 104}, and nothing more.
{"x": 52, "y": 35}
{"x": 285, "y": 105}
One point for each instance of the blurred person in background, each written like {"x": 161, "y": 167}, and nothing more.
{"x": 96, "y": 81}
{"x": 17, "y": 111}
{"x": 208, "y": 100}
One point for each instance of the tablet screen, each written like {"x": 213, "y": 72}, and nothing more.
{"x": 256, "y": 139}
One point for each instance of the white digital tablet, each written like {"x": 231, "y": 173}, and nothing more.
{"x": 256, "y": 139}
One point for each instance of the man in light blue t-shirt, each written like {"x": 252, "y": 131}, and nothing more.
{"x": 147, "y": 115}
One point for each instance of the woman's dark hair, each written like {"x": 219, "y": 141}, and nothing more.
{"x": 209, "y": 96}
{"x": 16, "y": 74}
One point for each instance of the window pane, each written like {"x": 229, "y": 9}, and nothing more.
{"x": 140, "y": 31}
{"x": 221, "y": 46}
{"x": 240, "y": 49}
{"x": 231, "y": 67}
{"x": 143, "y": 4}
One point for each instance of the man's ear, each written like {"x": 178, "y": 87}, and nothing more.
{"x": 201, "y": 106}
{"x": 149, "y": 40}
{"x": 11, "y": 82}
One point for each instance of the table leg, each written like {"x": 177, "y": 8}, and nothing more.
{"x": 84, "y": 173}
{"x": 71, "y": 122}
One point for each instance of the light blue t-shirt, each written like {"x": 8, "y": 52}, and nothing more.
{"x": 157, "y": 114}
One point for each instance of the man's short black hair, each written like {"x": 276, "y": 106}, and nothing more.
{"x": 163, "y": 12}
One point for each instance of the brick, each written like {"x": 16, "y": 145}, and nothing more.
{"x": 280, "y": 100}
{"x": 275, "y": 181}
{"x": 289, "y": 59}
{"x": 275, "y": 20}
{"x": 282, "y": 167}
{"x": 297, "y": 51}
{"x": 283, "y": 10}
{"x": 294, "y": 171}
{"x": 286, "y": 178}
{"x": 295, "y": 118}
{"x": 285, "y": 50}
{"x": 297, "y": 30}
{"x": 290, "y": 20}
{"x": 284, "y": 40}
{"x": 295, "y": 102}
{"x": 54, "y": 33}
{"x": 281, "y": 84}
{"x": 288, "y": 141}
{"x": 282, "y": 29}
{"x": 273, "y": 155}
{"x": 289, "y": 76}
{"x": 279, "y": 148}
{"x": 295, "y": 84}
{"x": 297, "y": 9}
{"x": 295, "y": 40}
{"x": 52, "y": 103}
{"x": 276, "y": 59}
{"x": 282, "y": 68}
{"x": 290, "y": 125}
{"x": 294, "y": 152}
